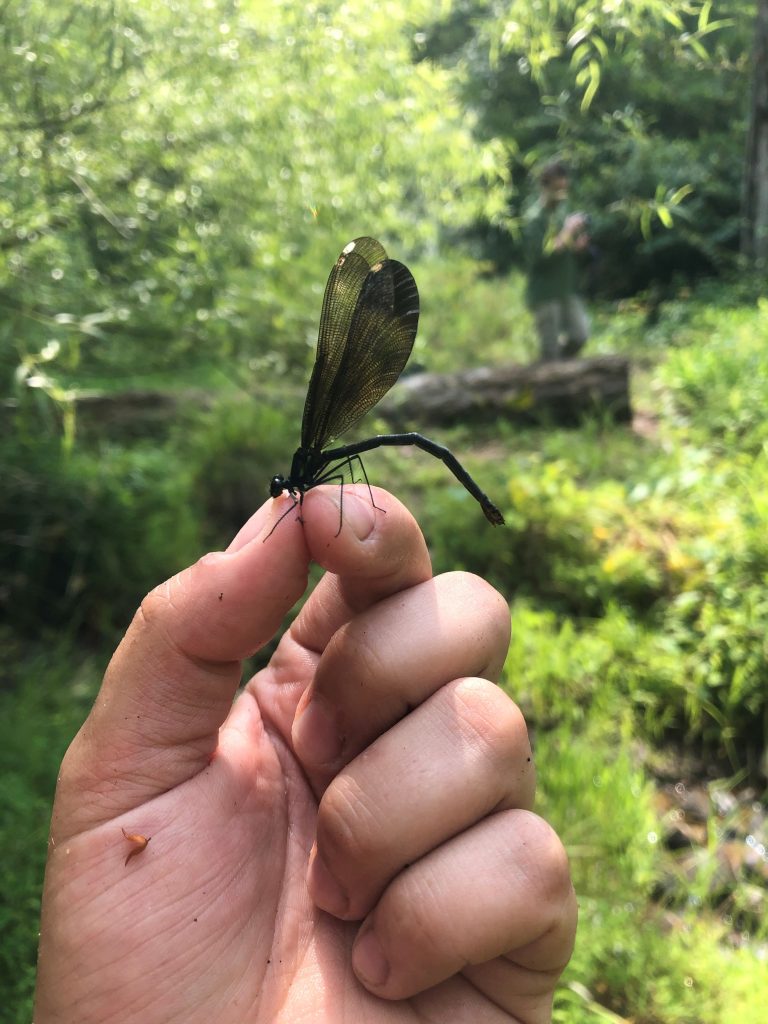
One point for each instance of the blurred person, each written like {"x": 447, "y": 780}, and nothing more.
{"x": 350, "y": 837}
{"x": 553, "y": 238}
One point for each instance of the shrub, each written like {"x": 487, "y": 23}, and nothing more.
{"x": 720, "y": 383}
{"x": 232, "y": 451}
{"x": 86, "y": 534}
{"x": 51, "y": 686}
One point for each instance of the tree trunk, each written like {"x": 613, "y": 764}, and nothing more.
{"x": 754, "y": 233}
{"x": 563, "y": 392}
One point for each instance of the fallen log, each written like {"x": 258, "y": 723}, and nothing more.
{"x": 139, "y": 411}
{"x": 122, "y": 414}
{"x": 563, "y": 392}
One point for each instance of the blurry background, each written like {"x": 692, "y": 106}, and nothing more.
{"x": 176, "y": 181}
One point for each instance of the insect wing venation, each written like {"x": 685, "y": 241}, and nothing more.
{"x": 367, "y": 329}
{"x": 381, "y": 338}
{"x": 341, "y": 292}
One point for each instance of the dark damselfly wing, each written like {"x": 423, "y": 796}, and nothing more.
{"x": 367, "y": 328}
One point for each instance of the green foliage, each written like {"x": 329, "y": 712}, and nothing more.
{"x": 175, "y": 174}
{"x": 565, "y": 672}
{"x": 644, "y": 566}
{"x": 645, "y": 99}
{"x": 469, "y": 318}
{"x": 233, "y": 451}
{"x": 688, "y": 632}
{"x": 177, "y": 182}
{"x": 48, "y": 691}
{"x": 633, "y": 964}
{"x": 596, "y": 691}
{"x": 570, "y": 29}
{"x": 721, "y": 384}
{"x": 86, "y": 534}
{"x": 636, "y": 571}
{"x": 599, "y": 800}
{"x": 632, "y": 961}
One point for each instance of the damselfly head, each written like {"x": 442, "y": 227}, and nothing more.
{"x": 277, "y": 485}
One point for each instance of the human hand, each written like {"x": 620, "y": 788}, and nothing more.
{"x": 573, "y": 234}
{"x": 413, "y": 772}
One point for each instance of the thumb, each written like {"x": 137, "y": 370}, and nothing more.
{"x": 171, "y": 682}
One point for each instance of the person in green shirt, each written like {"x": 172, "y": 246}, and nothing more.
{"x": 554, "y": 237}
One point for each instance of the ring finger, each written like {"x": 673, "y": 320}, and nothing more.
{"x": 461, "y": 756}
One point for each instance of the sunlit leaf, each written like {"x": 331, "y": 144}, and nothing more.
{"x": 680, "y": 194}
{"x": 664, "y": 216}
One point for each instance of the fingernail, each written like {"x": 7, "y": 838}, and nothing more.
{"x": 316, "y": 737}
{"x": 324, "y": 889}
{"x": 359, "y": 515}
{"x": 368, "y": 960}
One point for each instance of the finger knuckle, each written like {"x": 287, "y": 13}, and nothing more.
{"x": 546, "y": 864}
{"x": 495, "y": 722}
{"x": 347, "y": 826}
{"x": 351, "y": 652}
{"x": 416, "y": 911}
{"x": 478, "y": 596}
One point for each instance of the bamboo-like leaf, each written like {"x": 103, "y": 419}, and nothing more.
{"x": 600, "y": 45}
{"x": 672, "y": 17}
{"x": 680, "y": 194}
{"x": 595, "y": 72}
{"x": 665, "y": 216}
{"x": 715, "y": 26}
{"x": 579, "y": 55}
{"x": 578, "y": 37}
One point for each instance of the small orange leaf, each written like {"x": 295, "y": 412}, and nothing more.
{"x": 139, "y": 844}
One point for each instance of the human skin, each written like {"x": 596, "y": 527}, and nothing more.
{"x": 574, "y": 233}
{"x": 351, "y": 840}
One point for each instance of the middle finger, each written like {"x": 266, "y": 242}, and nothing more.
{"x": 390, "y": 659}
{"x": 462, "y": 755}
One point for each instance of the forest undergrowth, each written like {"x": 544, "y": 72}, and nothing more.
{"x": 635, "y": 563}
